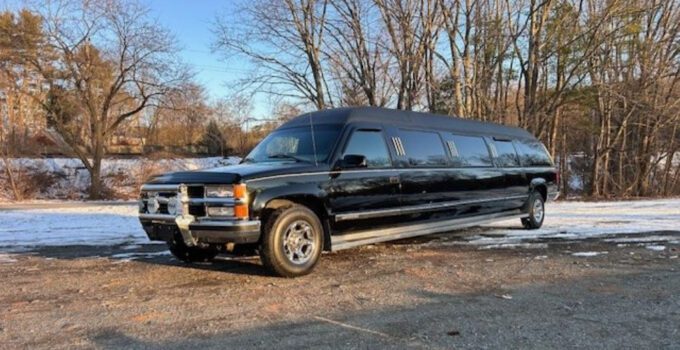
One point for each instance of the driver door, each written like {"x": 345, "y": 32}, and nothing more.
{"x": 365, "y": 192}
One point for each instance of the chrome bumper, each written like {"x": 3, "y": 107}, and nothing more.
{"x": 204, "y": 231}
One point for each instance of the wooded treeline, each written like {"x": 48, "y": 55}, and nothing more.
{"x": 597, "y": 81}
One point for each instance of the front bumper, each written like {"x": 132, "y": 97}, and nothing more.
{"x": 162, "y": 227}
{"x": 190, "y": 216}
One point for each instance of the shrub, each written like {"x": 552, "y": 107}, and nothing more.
{"x": 29, "y": 181}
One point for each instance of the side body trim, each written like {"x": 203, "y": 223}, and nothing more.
{"x": 351, "y": 240}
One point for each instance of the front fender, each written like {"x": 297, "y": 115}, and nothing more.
{"x": 263, "y": 194}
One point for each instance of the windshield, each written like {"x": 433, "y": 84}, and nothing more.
{"x": 295, "y": 144}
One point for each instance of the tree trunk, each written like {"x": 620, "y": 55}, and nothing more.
{"x": 95, "y": 191}
{"x": 554, "y": 127}
{"x": 669, "y": 162}
{"x": 12, "y": 181}
{"x": 96, "y": 185}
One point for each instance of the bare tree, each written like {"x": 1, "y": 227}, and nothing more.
{"x": 354, "y": 49}
{"x": 179, "y": 116}
{"x": 112, "y": 63}
{"x": 413, "y": 27}
{"x": 234, "y": 113}
{"x": 283, "y": 39}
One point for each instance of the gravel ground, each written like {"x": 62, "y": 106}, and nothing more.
{"x": 422, "y": 293}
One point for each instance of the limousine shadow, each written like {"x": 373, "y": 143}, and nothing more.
{"x": 154, "y": 254}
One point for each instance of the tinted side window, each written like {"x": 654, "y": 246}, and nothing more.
{"x": 533, "y": 154}
{"x": 370, "y": 144}
{"x": 507, "y": 157}
{"x": 469, "y": 151}
{"x": 423, "y": 148}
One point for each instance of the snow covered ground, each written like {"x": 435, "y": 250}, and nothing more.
{"x": 650, "y": 223}
{"x": 123, "y": 175}
{"x": 89, "y": 225}
{"x": 104, "y": 224}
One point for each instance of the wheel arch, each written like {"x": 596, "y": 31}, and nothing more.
{"x": 541, "y": 186}
{"x": 313, "y": 203}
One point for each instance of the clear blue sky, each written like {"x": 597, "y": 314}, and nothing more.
{"x": 191, "y": 22}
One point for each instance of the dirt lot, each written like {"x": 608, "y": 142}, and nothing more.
{"x": 425, "y": 293}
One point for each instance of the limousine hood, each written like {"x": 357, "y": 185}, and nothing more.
{"x": 234, "y": 173}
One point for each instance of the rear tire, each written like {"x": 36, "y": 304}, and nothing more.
{"x": 536, "y": 212}
{"x": 190, "y": 254}
{"x": 292, "y": 241}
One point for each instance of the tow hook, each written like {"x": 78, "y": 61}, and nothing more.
{"x": 183, "y": 222}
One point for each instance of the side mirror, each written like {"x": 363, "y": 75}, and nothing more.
{"x": 353, "y": 161}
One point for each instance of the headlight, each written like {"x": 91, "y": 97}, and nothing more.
{"x": 220, "y": 191}
{"x": 174, "y": 206}
{"x": 221, "y": 211}
{"x": 152, "y": 205}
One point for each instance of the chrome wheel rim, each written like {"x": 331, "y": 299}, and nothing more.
{"x": 298, "y": 242}
{"x": 538, "y": 210}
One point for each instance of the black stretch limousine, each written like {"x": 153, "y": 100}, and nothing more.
{"x": 340, "y": 178}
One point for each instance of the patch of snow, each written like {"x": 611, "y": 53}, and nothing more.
{"x": 7, "y": 259}
{"x": 656, "y": 248}
{"x": 571, "y": 221}
{"x": 131, "y": 256}
{"x": 90, "y": 225}
{"x": 515, "y": 245}
{"x": 644, "y": 239}
{"x": 588, "y": 254}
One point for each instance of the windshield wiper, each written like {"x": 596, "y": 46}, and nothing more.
{"x": 248, "y": 160}
{"x": 287, "y": 156}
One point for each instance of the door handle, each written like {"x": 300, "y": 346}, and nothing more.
{"x": 394, "y": 179}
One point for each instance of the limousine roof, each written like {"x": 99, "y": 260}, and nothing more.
{"x": 408, "y": 119}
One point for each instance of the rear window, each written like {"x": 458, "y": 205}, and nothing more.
{"x": 423, "y": 148}
{"x": 533, "y": 153}
{"x": 505, "y": 153}
{"x": 469, "y": 151}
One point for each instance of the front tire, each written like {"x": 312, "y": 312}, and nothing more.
{"x": 292, "y": 241}
{"x": 536, "y": 212}
{"x": 190, "y": 254}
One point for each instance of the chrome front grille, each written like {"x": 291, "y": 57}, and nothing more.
{"x": 163, "y": 194}
{"x": 192, "y": 199}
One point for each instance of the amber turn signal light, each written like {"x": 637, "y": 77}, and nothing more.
{"x": 241, "y": 211}
{"x": 239, "y": 191}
